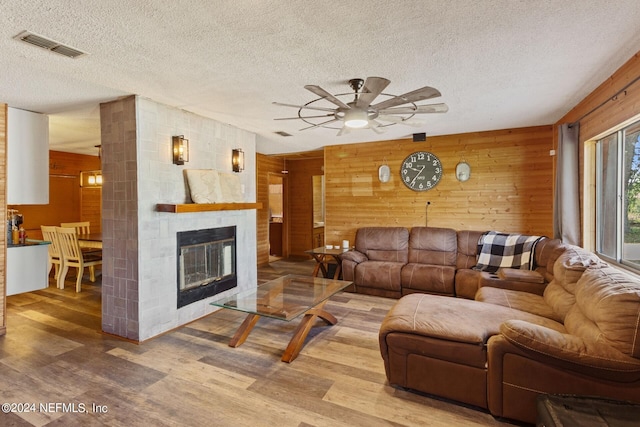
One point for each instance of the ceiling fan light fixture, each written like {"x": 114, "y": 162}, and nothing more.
{"x": 363, "y": 111}
{"x": 356, "y": 118}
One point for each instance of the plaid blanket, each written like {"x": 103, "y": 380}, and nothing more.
{"x": 500, "y": 250}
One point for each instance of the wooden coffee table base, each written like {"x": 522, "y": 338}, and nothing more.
{"x": 297, "y": 341}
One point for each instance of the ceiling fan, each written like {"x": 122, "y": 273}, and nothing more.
{"x": 361, "y": 113}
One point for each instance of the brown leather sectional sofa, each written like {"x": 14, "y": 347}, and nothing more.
{"x": 577, "y": 334}
{"x": 395, "y": 261}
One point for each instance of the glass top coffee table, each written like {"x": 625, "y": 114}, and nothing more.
{"x": 285, "y": 298}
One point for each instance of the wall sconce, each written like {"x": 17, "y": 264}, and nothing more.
{"x": 463, "y": 171}
{"x": 237, "y": 160}
{"x": 91, "y": 178}
{"x": 384, "y": 173}
{"x": 180, "y": 150}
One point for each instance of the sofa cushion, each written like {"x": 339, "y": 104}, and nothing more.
{"x": 431, "y": 245}
{"x": 568, "y": 268}
{"x": 432, "y": 260}
{"x": 518, "y": 300}
{"x": 383, "y": 243}
{"x": 453, "y": 319}
{"x": 429, "y": 278}
{"x": 570, "y": 265}
{"x": 545, "y": 256}
{"x": 467, "y": 283}
{"x": 570, "y": 351}
{"x": 607, "y": 309}
{"x": 558, "y": 299}
{"x": 467, "y": 251}
{"x": 379, "y": 274}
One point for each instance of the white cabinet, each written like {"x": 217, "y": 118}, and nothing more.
{"x": 27, "y": 268}
{"x": 27, "y": 158}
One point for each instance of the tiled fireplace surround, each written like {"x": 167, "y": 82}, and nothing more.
{"x": 139, "y": 268}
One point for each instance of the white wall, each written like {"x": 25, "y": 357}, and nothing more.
{"x": 160, "y": 181}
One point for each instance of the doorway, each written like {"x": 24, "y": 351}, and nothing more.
{"x": 276, "y": 216}
{"x": 72, "y": 198}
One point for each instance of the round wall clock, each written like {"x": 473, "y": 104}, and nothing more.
{"x": 421, "y": 171}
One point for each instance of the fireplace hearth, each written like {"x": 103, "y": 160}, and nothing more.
{"x": 206, "y": 263}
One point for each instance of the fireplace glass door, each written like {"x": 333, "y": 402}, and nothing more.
{"x": 206, "y": 263}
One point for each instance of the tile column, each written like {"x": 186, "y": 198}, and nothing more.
{"x": 120, "y": 294}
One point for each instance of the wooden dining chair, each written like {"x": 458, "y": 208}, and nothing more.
{"x": 55, "y": 254}
{"x": 73, "y": 256}
{"x": 82, "y": 227}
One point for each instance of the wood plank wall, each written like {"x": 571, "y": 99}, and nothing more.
{"x": 300, "y": 203}
{"x": 511, "y": 185}
{"x": 510, "y": 190}
{"x": 68, "y": 202}
{"x": 265, "y": 165}
{"x": 3, "y": 212}
{"x": 91, "y": 207}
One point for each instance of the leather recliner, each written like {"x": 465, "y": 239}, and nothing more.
{"x": 375, "y": 265}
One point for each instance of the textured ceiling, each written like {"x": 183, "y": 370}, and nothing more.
{"x": 498, "y": 63}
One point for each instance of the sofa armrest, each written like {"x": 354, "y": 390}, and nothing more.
{"x": 495, "y": 281}
{"x": 354, "y": 256}
{"x": 519, "y": 275}
{"x": 571, "y": 352}
{"x": 350, "y": 261}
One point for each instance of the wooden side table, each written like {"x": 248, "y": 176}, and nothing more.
{"x": 324, "y": 257}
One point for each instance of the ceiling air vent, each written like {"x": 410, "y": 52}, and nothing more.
{"x": 48, "y": 44}
{"x": 283, "y": 133}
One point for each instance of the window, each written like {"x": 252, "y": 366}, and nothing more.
{"x": 618, "y": 196}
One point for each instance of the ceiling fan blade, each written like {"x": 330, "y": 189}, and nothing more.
{"x": 421, "y": 109}
{"x": 320, "y": 124}
{"x": 343, "y": 131}
{"x": 376, "y": 127}
{"x": 393, "y": 119}
{"x": 304, "y": 106}
{"x": 326, "y": 95}
{"x": 371, "y": 89}
{"x": 413, "y": 96}
{"x": 304, "y": 117}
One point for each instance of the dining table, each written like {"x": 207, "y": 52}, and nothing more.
{"x": 91, "y": 240}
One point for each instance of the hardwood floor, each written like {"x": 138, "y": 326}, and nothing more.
{"x": 55, "y": 357}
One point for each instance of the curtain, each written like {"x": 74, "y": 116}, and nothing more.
{"x": 566, "y": 206}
